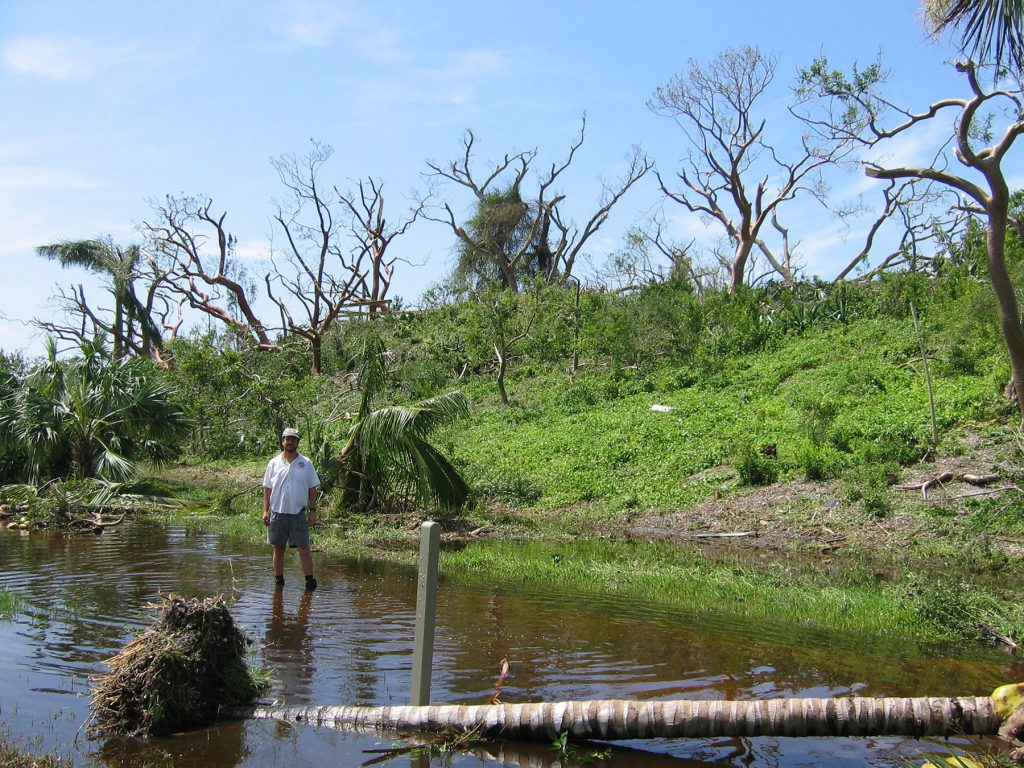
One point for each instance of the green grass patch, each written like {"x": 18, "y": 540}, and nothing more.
{"x": 854, "y": 601}
{"x": 822, "y": 403}
{"x": 10, "y": 603}
{"x": 13, "y": 756}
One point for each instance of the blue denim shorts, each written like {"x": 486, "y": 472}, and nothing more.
{"x": 288, "y": 529}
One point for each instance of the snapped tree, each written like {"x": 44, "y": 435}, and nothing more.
{"x": 133, "y": 325}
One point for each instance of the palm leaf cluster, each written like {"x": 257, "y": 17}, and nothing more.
{"x": 87, "y": 416}
{"x": 388, "y": 457}
{"x": 392, "y": 458}
{"x": 120, "y": 266}
{"x": 990, "y": 30}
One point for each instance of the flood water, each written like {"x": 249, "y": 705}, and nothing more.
{"x": 350, "y": 642}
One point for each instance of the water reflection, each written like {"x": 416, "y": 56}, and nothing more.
{"x": 288, "y": 646}
{"x": 351, "y": 642}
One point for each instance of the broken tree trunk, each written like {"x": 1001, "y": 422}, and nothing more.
{"x": 620, "y": 719}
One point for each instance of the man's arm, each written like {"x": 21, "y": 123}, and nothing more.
{"x": 314, "y": 494}
{"x": 266, "y": 505}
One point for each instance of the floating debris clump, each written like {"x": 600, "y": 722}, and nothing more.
{"x": 177, "y": 675}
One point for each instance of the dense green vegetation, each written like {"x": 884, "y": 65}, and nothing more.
{"x": 790, "y": 415}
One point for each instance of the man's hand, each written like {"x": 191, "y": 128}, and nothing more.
{"x": 311, "y": 517}
{"x": 266, "y": 517}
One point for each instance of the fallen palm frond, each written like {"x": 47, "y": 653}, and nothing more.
{"x": 178, "y": 674}
{"x": 87, "y": 505}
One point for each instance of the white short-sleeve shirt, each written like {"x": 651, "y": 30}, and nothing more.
{"x": 289, "y": 483}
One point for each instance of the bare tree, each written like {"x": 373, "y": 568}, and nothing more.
{"x": 976, "y": 147}
{"x": 372, "y": 235}
{"x": 649, "y": 257}
{"x": 928, "y": 219}
{"x": 323, "y": 277}
{"x": 513, "y": 235}
{"x": 732, "y": 175}
{"x": 208, "y": 277}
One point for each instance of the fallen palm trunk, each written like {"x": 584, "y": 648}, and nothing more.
{"x": 620, "y": 719}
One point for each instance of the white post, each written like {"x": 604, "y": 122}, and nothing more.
{"x": 426, "y": 605}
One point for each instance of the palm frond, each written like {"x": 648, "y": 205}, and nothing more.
{"x": 990, "y": 30}
{"x": 113, "y": 466}
{"x": 389, "y": 450}
{"x": 438, "y": 481}
{"x": 93, "y": 255}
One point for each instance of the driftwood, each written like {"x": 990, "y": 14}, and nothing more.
{"x": 951, "y": 477}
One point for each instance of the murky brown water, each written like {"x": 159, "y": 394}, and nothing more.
{"x": 351, "y": 642}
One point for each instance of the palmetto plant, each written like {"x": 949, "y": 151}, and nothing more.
{"x": 89, "y": 416}
{"x": 388, "y": 457}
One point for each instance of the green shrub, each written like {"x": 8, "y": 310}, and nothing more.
{"x": 869, "y": 484}
{"x": 754, "y": 467}
{"x": 517, "y": 491}
{"x": 816, "y": 461}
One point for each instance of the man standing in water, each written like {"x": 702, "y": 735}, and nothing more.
{"x": 290, "y": 491}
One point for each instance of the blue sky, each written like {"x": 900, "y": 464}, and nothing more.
{"x": 108, "y": 105}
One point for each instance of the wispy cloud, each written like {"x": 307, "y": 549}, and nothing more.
{"x": 252, "y": 250}
{"x": 28, "y": 177}
{"x": 52, "y": 58}
{"x": 310, "y": 23}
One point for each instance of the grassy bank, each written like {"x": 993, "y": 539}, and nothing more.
{"x": 12, "y": 756}
{"x": 783, "y": 484}
{"x": 849, "y": 594}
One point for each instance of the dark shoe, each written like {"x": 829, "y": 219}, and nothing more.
{"x": 310, "y": 583}
{"x": 278, "y": 582}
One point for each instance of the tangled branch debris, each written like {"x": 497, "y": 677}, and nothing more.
{"x": 177, "y": 675}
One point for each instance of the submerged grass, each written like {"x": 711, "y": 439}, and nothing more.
{"x": 12, "y": 756}
{"x": 10, "y": 603}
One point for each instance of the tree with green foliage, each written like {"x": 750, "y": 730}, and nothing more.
{"x": 503, "y": 243}
{"x": 976, "y": 148}
{"x": 388, "y": 457}
{"x": 132, "y": 328}
{"x": 89, "y": 416}
{"x": 511, "y": 236}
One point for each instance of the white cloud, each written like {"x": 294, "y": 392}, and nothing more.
{"x": 916, "y": 146}
{"x": 311, "y": 24}
{"x": 34, "y": 177}
{"x": 252, "y": 250}
{"x": 62, "y": 59}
